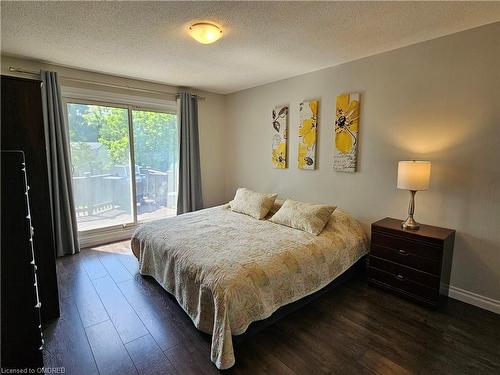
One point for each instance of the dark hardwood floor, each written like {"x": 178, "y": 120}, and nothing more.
{"x": 114, "y": 321}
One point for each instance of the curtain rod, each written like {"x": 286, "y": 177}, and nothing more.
{"x": 37, "y": 73}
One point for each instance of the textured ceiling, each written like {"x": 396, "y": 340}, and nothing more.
{"x": 263, "y": 41}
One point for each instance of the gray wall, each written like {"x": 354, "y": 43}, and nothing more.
{"x": 437, "y": 101}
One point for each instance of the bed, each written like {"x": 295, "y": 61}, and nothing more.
{"x": 228, "y": 270}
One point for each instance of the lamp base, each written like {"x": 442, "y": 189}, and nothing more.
{"x": 410, "y": 223}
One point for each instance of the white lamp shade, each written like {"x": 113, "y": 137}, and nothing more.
{"x": 414, "y": 175}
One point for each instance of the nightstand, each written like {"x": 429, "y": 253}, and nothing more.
{"x": 414, "y": 264}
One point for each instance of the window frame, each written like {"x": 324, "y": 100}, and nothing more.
{"x": 73, "y": 95}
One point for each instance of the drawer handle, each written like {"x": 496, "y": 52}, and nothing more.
{"x": 400, "y": 277}
{"x": 403, "y": 252}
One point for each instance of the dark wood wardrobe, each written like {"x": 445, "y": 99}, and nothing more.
{"x": 22, "y": 129}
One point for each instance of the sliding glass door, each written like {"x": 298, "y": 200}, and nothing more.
{"x": 156, "y": 157}
{"x": 124, "y": 164}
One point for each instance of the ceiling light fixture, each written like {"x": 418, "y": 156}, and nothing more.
{"x": 205, "y": 32}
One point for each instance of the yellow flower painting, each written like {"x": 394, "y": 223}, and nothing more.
{"x": 346, "y": 132}
{"x": 307, "y": 134}
{"x": 280, "y": 129}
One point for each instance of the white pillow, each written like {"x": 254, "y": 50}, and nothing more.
{"x": 308, "y": 217}
{"x": 249, "y": 202}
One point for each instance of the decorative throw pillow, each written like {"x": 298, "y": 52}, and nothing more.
{"x": 276, "y": 206}
{"x": 249, "y": 202}
{"x": 308, "y": 217}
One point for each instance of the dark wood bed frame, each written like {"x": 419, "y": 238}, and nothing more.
{"x": 358, "y": 269}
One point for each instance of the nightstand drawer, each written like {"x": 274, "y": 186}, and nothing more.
{"x": 408, "y": 246}
{"x": 402, "y": 273}
{"x": 407, "y": 287}
{"x": 406, "y": 258}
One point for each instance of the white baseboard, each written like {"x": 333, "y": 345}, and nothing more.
{"x": 471, "y": 298}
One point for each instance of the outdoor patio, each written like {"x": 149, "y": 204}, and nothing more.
{"x": 118, "y": 217}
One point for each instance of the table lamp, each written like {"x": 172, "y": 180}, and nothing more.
{"x": 413, "y": 175}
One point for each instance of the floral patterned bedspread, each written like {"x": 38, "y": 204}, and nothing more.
{"x": 228, "y": 270}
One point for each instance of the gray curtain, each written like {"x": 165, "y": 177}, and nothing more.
{"x": 190, "y": 195}
{"x": 58, "y": 159}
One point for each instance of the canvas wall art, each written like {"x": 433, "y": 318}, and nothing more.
{"x": 280, "y": 135}
{"x": 307, "y": 134}
{"x": 346, "y": 132}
